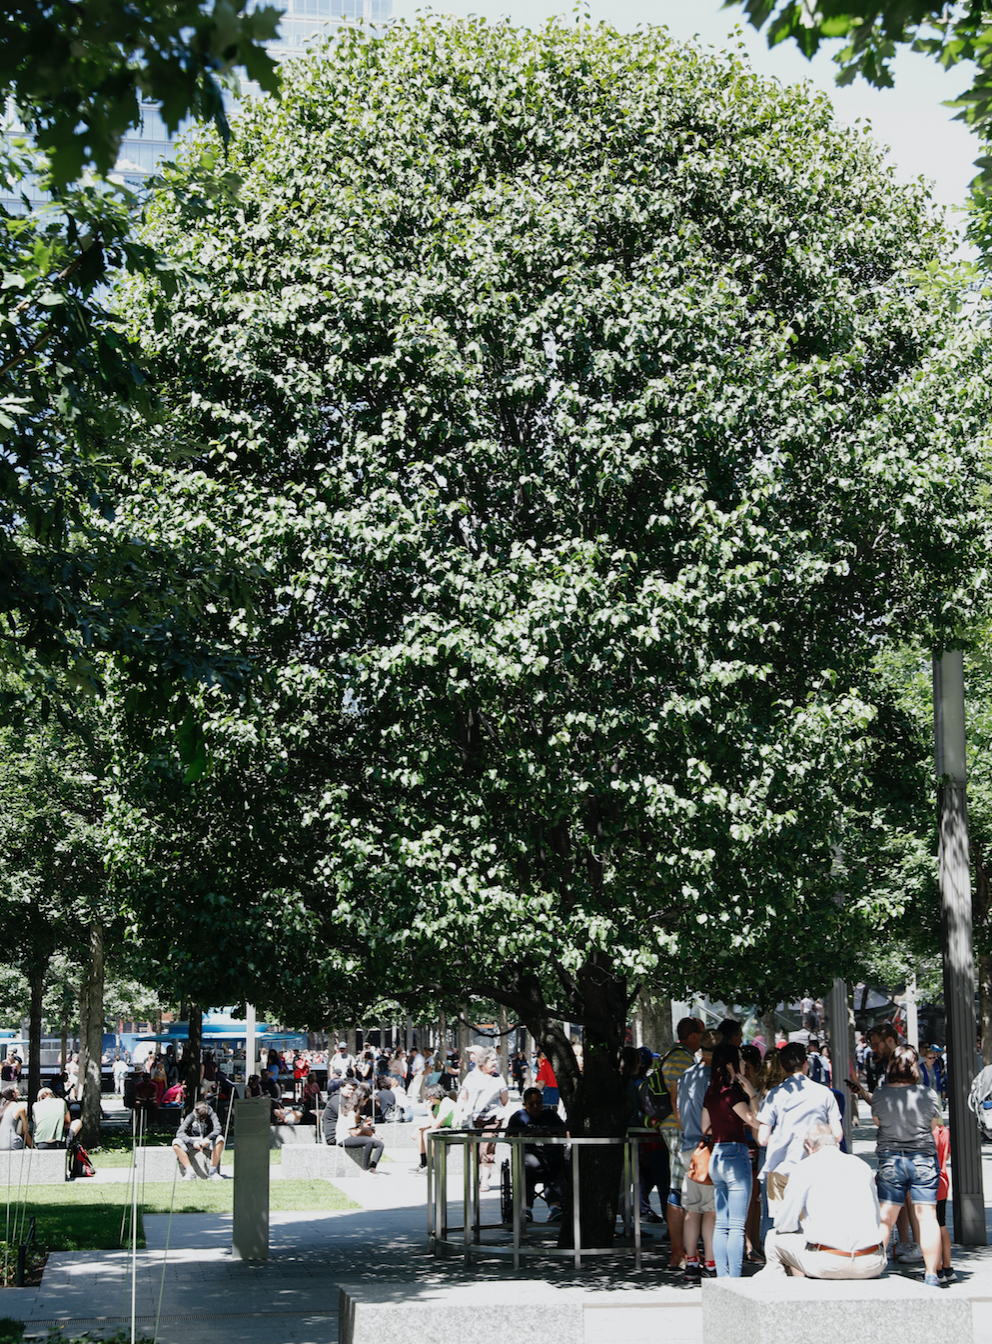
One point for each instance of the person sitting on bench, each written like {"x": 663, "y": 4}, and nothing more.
{"x": 199, "y": 1132}
{"x": 52, "y": 1121}
{"x": 829, "y": 1223}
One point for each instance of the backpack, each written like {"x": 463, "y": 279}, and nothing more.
{"x": 980, "y": 1101}
{"x": 655, "y": 1097}
{"x": 77, "y": 1161}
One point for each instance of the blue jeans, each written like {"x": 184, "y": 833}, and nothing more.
{"x": 730, "y": 1171}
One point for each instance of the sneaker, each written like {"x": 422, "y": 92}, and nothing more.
{"x": 907, "y": 1253}
{"x": 692, "y": 1275}
{"x": 189, "y": 1174}
{"x": 708, "y": 1271}
{"x": 947, "y": 1275}
{"x": 651, "y": 1217}
{"x": 214, "y": 1175}
{"x": 931, "y": 1281}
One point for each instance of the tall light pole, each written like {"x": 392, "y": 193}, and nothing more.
{"x": 959, "y": 965}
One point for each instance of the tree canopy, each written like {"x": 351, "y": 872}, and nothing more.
{"x": 576, "y": 395}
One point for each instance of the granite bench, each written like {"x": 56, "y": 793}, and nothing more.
{"x": 32, "y": 1166}
{"x": 407, "y": 1313}
{"x": 890, "y": 1310}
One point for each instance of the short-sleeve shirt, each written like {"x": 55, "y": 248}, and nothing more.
{"x": 483, "y": 1092}
{"x": 49, "y": 1120}
{"x": 726, "y": 1125}
{"x": 672, "y": 1067}
{"x": 789, "y": 1110}
{"x": 904, "y": 1115}
{"x": 692, "y": 1091}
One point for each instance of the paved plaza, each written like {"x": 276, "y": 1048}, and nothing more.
{"x": 293, "y": 1297}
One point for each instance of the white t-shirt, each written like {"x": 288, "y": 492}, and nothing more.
{"x": 482, "y": 1092}
{"x": 790, "y": 1109}
{"x": 340, "y": 1064}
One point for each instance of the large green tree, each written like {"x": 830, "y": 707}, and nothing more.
{"x": 575, "y": 394}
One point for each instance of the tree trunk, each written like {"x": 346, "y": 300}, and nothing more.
{"x": 36, "y": 980}
{"x": 91, "y": 1036}
{"x": 656, "y": 1022}
{"x": 596, "y": 1099}
{"x": 192, "y": 1057}
{"x": 769, "y": 1021}
{"x": 503, "y": 1047}
{"x": 64, "y": 1039}
{"x": 442, "y": 1036}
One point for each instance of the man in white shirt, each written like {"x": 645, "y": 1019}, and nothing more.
{"x": 786, "y": 1114}
{"x": 828, "y": 1224}
{"x": 417, "y": 1062}
{"x": 341, "y": 1061}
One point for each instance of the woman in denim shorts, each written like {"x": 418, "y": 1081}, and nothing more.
{"x": 907, "y": 1113}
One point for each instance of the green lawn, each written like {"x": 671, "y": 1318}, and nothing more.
{"x": 83, "y": 1217}
{"x": 119, "y": 1157}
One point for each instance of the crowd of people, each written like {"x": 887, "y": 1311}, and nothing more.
{"x": 771, "y": 1128}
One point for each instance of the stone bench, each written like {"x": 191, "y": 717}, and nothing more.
{"x": 161, "y": 1164}
{"x": 891, "y": 1310}
{"x": 409, "y": 1313}
{"x": 32, "y": 1166}
{"x": 320, "y": 1161}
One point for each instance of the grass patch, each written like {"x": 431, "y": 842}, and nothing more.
{"x": 79, "y": 1217}
{"x": 121, "y": 1157}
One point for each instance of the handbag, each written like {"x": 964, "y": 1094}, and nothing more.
{"x": 699, "y": 1162}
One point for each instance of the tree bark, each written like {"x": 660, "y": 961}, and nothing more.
{"x": 503, "y": 1047}
{"x": 91, "y": 1036}
{"x": 36, "y": 980}
{"x": 656, "y": 1022}
{"x": 769, "y": 1021}
{"x": 192, "y": 1057}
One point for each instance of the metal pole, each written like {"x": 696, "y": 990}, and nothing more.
{"x": 840, "y": 1052}
{"x": 959, "y": 964}
{"x": 250, "y": 1048}
{"x": 912, "y": 1017}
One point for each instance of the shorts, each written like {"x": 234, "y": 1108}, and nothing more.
{"x": 676, "y": 1164}
{"x": 192, "y": 1145}
{"x": 941, "y": 1212}
{"x": 698, "y": 1198}
{"x": 902, "y": 1174}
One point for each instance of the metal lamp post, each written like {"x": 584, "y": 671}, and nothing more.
{"x": 959, "y": 966}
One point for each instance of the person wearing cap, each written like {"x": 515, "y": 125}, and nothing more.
{"x": 341, "y": 1061}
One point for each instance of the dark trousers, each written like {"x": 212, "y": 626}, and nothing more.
{"x": 546, "y": 1169}
{"x": 655, "y": 1172}
{"x": 373, "y": 1149}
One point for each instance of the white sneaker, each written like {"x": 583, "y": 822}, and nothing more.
{"x": 214, "y": 1175}
{"x": 907, "y": 1253}
{"x": 189, "y": 1174}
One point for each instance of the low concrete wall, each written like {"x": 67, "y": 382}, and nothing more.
{"x": 765, "y": 1310}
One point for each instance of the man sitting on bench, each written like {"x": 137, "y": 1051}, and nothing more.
{"x": 828, "y": 1225}
{"x": 199, "y": 1132}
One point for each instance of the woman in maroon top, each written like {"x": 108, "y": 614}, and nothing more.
{"x": 728, "y": 1113}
